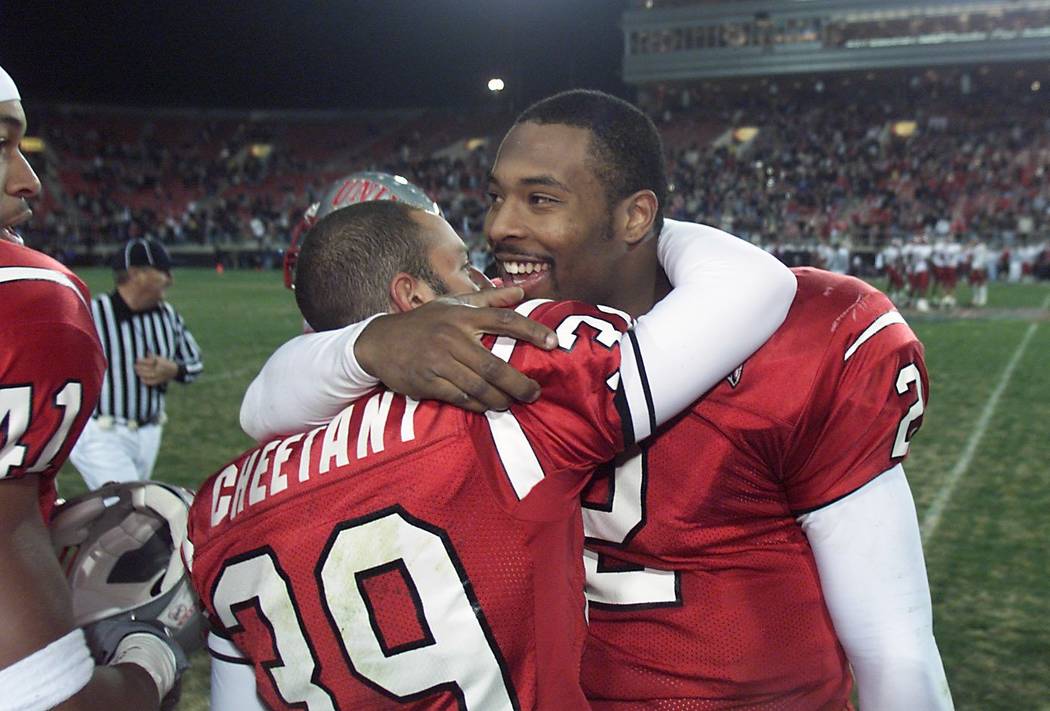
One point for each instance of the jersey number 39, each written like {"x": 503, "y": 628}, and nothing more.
{"x": 448, "y": 614}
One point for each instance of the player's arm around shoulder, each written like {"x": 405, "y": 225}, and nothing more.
{"x": 432, "y": 352}
{"x": 728, "y": 298}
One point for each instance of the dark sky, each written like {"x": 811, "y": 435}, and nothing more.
{"x": 285, "y": 54}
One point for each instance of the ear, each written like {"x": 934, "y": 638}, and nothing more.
{"x": 407, "y": 292}
{"x": 636, "y": 214}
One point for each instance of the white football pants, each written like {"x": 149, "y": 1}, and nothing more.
{"x": 115, "y": 452}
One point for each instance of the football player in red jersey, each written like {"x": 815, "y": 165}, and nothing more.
{"x": 762, "y": 545}
{"x": 51, "y": 368}
{"x": 417, "y": 555}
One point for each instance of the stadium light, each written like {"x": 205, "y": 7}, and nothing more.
{"x": 496, "y": 85}
{"x": 32, "y": 144}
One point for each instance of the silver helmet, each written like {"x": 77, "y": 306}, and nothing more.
{"x": 120, "y": 549}
{"x": 369, "y": 185}
{"x": 363, "y": 186}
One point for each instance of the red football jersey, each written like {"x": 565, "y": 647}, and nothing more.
{"x": 414, "y": 555}
{"x": 703, "y": 589}
{"x": 51, "y": 366}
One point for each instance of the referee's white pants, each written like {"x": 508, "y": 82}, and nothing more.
{"x": 115, "y": 452}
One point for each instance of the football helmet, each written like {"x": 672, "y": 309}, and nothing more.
{"x": 119, "y": 547}
{"x": 364, "y": 186}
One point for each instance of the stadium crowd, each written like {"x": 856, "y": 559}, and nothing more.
{"x": 801, "y": 167}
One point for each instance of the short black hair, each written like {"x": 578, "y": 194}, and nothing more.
{"x": 349, "y": 257}
{"x": 626, "y": 152}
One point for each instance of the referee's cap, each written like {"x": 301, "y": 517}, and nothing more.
{"x": 142, "y": 253}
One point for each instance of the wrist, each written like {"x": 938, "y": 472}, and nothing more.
{"x": 151, "y": 654}
{"x": 365, "y": 353}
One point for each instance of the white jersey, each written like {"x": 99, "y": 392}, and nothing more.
{"x": 1030, "y": 254}
{"x": 978, "y": 256}
{"x": 839, "y": 262}
{"x": 918, "y": 257}
{"x": 953, "y": 255}
{"x": 890, "y": 256}
{"x": 939, "y": 254}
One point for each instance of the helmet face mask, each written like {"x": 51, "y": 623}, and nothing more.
{"x": 119, "y": 547}
{"x": 364, "y": 186}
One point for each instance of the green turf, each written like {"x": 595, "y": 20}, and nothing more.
{"x": 987, "y": 561}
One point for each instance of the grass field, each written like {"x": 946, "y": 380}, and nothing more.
{"x": 980, "y": 467}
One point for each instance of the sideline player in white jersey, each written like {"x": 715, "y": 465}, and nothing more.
{"x": 1030, "y": 254}
{"x": 51, "y": 368}
{"x": 945, "y": 257}
{"x": 890, "y": 263}
{"x": 978, "y": 255}
{"x": 917, "y": 257}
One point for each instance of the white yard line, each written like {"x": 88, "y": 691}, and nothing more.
{"x": 932, "y": 519}
{"x": 229, "y": 374}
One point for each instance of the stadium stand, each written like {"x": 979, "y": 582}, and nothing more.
{"x": 797, "y": 163}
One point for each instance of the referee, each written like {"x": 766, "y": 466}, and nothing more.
{"x": 147, "y": 346}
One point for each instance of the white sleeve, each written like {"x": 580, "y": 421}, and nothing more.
{"x": 306, "y": 383}
{"x": 728, "y": 298}
{"x": 869, "y": 556}
{"x": 232, "y": 678}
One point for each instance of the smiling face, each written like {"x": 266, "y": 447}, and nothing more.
{"x": 16, "y": 175}
{"x": 550, "y": 224}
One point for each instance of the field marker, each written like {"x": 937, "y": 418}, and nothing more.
{"x": 933, "y": 514}
{"x": 234, "y": 373}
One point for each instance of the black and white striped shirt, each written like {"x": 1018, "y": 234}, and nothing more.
{"x": 128, "y": 335}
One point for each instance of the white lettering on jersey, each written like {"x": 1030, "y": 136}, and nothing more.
{"x": 408, "y": 424}
{"x": 220, "y": 502}
{"x": 16, "y": 404}
{"x": 608, "y": 335}
{"x": 304, "y": 457}
{"x": 257, "y": 492}
{"x": 235, "y": 489}
{"x": 373, "y": 423}
{"x": 278, "y": 477}
{"x": 644, "y": 586}
{"x": 907, "y": 375}
{"x": 242, "y": 484}
{"x": 16, "y": 413}
{"x": 336, "y": 442}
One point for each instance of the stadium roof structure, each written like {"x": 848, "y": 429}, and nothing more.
{"x": 753, "y": 38}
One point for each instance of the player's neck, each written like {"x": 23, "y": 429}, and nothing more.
{"x": 640, "y": 282}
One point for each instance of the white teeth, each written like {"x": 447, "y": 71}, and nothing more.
{"x": 525, "y": 267}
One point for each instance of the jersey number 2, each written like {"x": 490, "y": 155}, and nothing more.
{"x": 457, "y": 653}
{"x": 617, "y": 522}
{"x": 907, "y": 375}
